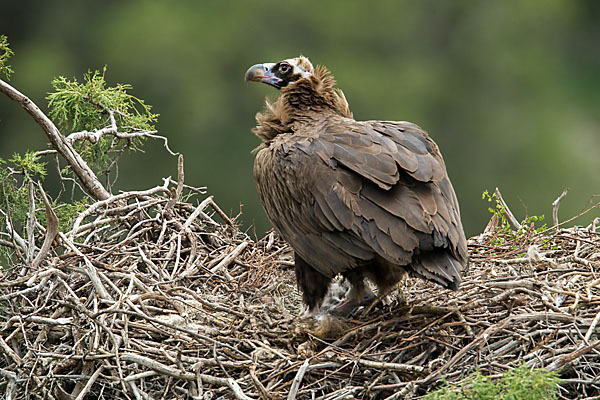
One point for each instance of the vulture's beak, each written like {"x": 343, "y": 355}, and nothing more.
{"x": 262, "y": 73}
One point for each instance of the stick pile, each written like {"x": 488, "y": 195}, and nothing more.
{"x": 148, "y": 297}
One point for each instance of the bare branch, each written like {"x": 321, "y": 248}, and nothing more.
{"x": 113, "y": 199}
{"x": 85, "y": 174}
{"x": 164, "y": 369}
{"x": 45, "y": 152}
{"x": 92, "y": 273}
{"x": 95, "y": 136}
{"x": 90, "y": 382}
{"x": 51, "y": 230}
{"x": 555, "y": 205}
{"x": 31, "y": 220}
{"x": 18, "y": 240}
{"x": 199, "y": 211}
{"x": 230, "y": 257}
{"x": 179, "y": 190}
{"x": 297, "y": 380}
{"x": 511, "y": 218}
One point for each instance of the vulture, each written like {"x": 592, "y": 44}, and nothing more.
{"x": 364, "y": 199}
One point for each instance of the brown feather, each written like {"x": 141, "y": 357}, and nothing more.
{"x": 365, "y": 199}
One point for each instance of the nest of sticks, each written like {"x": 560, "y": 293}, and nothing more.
{"x": 148, "y": 297}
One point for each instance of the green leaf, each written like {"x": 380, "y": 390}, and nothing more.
{"x": 520, "y": 383}
{"x": 5, "y": 54}
{"x": 84, "y": 106}
{"x": 87, "y": 106}
{"x": 30, "y": 164}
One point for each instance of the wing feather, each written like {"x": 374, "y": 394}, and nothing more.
{"x": 402, "y": 202}
{"x": 361, "y": 190}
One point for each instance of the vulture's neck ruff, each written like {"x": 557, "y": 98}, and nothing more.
{"x": 306, "y": 94}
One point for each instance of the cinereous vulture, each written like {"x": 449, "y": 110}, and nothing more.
{"x": 364, "y": 199}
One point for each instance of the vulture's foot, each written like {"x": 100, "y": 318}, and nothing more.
{"x": 308, "y": 313}
{"x": 351, "y": 304}
{"x": 360, "y": 295}
{"x": 383, "y": 299}
{"x": 386, "y": 299}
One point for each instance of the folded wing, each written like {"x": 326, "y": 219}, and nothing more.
{"x": 363, "y": 189}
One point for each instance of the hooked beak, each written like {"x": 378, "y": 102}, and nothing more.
{"x": 262, "y": 73}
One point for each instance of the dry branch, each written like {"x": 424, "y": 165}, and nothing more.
{"x": 87, "y": 177}
{"x": 511, "y": 218}
{"x": 555, "y": 205}
{"x": 52, "y": 225}
{"x": 297, "y": 380}
{"x": 150, "y": 297}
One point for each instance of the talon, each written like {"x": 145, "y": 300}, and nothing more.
{"x": 348, "y": 306}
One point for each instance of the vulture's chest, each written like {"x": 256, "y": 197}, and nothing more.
{"x": 284, "y": 177}
{"x": 280, "y": 171}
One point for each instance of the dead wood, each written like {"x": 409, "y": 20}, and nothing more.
{"x": 151, "y": 297}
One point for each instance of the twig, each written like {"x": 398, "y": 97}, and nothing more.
{"x": 42, "y": 320}
{"x": 85, "y": 174}
{"x": 555, "y": 205}
{"x": 592, "y": 328}
{"x": 113, "y": 199}
{"x": 401, "y": 394}
{"x": 6, "y": 243}
{"x": 52, "y": 226}
{"x": 297, "y": 380}
{"x": 482, "y": 337}
{"x": 91, "y": 270}
{"x": 8, "y": 374}
{"x": 89, "y": 383}
{"x": 180, "y": 178}
{"x": 569, "y": 358}
{"x": 514, "y": 222}
{"x": 18, "y": 240}
{"x": 31, "y": 220}
{"x": 230, "y": 257}
{"x": 10, "y": 352}
{"x": 212, "y": 380}
{"x": 261, "y": 388}
{"x": 386, "y": 365}
{"x": 46, "y": 152}
{"x": 198, "y": 211}
{"x": 95, "y": 136}
{"x": 23, "y": 292}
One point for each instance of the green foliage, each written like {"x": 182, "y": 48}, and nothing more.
{"x": 84, "y": 106}
{"x": 14, "y": 197}
{"x": 520, "y": 383}
{"x": 507, "y": 233}
{"x": 87, "y": 107}
{"x": 13, "y": 191}
{"x": 5, "y": 54}
{"x": 66, "y": 213}
{"x": 29, "y": 164}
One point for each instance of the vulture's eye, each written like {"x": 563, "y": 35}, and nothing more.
{"x": 284, "y": 68}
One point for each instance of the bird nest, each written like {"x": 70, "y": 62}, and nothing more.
{"x": 148, "y": 297}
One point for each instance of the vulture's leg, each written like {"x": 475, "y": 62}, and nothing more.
{"x": 359, "y": 294}
{"x": 312, "y": 284}
{"x": 382, "y": 297}
{"x": 386, "y": 276}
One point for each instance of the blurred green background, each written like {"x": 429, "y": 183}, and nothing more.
{"x": 510, "y": 90}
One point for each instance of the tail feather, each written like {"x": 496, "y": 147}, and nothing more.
{"x": 441, "y": 267}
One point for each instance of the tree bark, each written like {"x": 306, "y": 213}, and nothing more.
{"x": 86, "y": 176}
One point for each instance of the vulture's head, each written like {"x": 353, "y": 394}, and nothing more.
{"x": 307, "y": 92}
{"x": 280, "y": 74}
